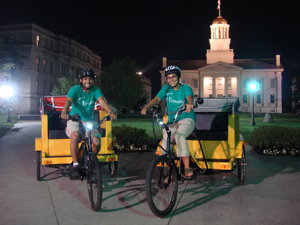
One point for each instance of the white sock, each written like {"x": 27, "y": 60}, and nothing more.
{"x": 75, "y": 164}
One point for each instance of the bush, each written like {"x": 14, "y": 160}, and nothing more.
{"x": 275, "y": 139}
{"x": 132, "y": 138}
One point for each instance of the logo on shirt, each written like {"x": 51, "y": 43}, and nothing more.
{"x": 175, "y": 101}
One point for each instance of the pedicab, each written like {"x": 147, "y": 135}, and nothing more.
{"x": 214, "y": 145}
{"x": 53, "y": 148}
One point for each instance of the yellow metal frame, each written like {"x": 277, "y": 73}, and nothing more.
{"x": 57, "y": 151}
{"x": 220, "y": 155}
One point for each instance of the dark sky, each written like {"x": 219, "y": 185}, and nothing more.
{"x": 149, "y": 30}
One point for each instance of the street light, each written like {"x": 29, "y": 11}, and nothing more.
{"x": 253, "y": 88}
{"x": 5, "y": 92}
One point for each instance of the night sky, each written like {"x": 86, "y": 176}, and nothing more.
{"x": 149, "y": 30}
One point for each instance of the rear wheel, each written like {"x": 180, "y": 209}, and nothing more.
{"x": 242, "y": 168}
{"x": 38, "y": 165}
{"x": 161, "y": 186}
{"x": 94, "y": 182}
{"x": 113, "y": 168}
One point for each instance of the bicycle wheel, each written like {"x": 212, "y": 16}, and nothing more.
{"x": 113, "y": 168}
{"x": 38, "y": 165}
{"x": 161, "y": 186}
{"x": 242, "y": 168}
{"x": 94, "y": 182}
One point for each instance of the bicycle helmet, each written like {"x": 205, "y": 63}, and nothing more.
{"x": 87, "y": 73}
{"x": 172, "y": 69}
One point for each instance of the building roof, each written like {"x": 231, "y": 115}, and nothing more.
{"x": 243, "y": 63}
{"x": 219, "y": 20}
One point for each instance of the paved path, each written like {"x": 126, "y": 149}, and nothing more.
{"x": 271, "y": 194}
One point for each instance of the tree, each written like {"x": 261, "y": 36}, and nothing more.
{"x": 120, "y": 84}
{"x": 296, "y": 94}
{"x": 64, "y": 85}
{"x": 10, "y": 57}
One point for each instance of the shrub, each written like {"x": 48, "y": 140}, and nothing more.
{"x": 275, "y": 139}
{"x": 132, "y": 138}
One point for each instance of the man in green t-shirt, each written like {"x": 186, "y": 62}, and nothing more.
{"x": 177, "y": 95}
{"x": 82, "y": 98}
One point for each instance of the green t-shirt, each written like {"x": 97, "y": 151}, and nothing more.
{"x": 84, "y": 103}
{"x": 176, "y": 99}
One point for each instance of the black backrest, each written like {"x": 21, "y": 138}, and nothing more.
{"x": 210, "y": 126}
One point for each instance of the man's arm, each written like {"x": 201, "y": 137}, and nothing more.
{"x": 152, "y": 103}
{"x": 64, "y": 111}
{"x": 107, "y": 108}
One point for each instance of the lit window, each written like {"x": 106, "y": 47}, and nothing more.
{"x": 229, "y": 84}
{"x": 45, "y": 65}
{"x": 210, "y": 82}
{"x": 220, "y": 84}
{"x": 244, "y": 98}
{"x": 37, "y": 63}
{"x": 37, "y": 40}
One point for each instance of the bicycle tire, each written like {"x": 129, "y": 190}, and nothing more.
{"x": 94, "y": 182}
{"x": 38, "y": 165}
{"x": 113, "y": 168}
{"x": 162, "y": 193}
{"x": 242, "y": 168}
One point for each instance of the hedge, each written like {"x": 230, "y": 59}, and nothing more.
{"x": 275, "y": 140}
{"x": 132, "y": 138}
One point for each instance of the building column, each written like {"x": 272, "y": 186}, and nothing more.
{"x": 226, "y": 87}
{"x": 214, "y": 87}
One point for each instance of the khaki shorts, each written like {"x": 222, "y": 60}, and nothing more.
{"x": 74, "y": 126}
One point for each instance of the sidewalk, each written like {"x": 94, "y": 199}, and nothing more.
{"x": 270, "y": 195}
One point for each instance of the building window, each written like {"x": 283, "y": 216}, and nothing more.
{"x": 258, "y": 99}
{"x": 37, "y": 63}
{"x": 210, "y": 83}
{"x": 272, "y": 83}
{"x": 244, "y": 98}
{"x": 51, "y": 45}
{"x": 272, "y": 98}
{"x": 51, "y": 67}
{"x": 195, "y": 83}
{"x": 98, "y": 65}
{"x": 50, "y": 87}
{"x": 45, "y": 65}
{"x": 44, "y": 88}
{"x": 245, "y": 83}
{"x": 259, "y": 82}
{"x": 64, "y": 69}
{"x": 37, "y": 40}
{"x": 229, "y": 85}
{"x": 220, "y": 84}
{"x": 88, "y": 59}
{"x": 229, "y": 95}
{"x": 37, "y": 86}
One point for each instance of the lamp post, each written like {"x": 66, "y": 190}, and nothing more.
{"x": 253, "y": 89}
{"x": 5, "y": 92}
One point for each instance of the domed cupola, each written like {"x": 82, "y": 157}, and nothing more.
{"x": 219, "y": 41}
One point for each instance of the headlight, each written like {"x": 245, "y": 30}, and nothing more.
{"x": 89, "y": 126}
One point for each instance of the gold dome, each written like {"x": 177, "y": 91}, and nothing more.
{"x": 219, "y": 20}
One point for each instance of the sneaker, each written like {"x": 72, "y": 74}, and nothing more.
{"x": 74, "y": 173}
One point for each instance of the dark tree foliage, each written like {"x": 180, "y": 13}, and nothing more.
{"x": 296, "y": 94}
{"x": 10, "y": 57}
{"x": 120, "y": 84}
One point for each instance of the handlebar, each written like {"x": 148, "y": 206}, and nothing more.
{"x": 77, "y": 118}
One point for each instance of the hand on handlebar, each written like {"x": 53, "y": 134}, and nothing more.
{"x": 64, "y": 116}
{"x": 144, "y": 111}
{"x": 189, "y": 107}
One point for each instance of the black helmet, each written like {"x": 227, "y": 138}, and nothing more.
{"x": 172, "y": 69}
{"x": 87, "y": 73}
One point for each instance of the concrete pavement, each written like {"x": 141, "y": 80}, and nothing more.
{"x": 270, "y": 195}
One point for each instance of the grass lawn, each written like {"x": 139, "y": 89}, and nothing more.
{"x": 5, "y": 126}
{"x": 144, "y": 121}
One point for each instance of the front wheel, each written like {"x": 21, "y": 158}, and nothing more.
{"x": 94, "y": 182}
{"x": 161, "y": 186}
{"x": 38, "y": 165}
{"x": 242, "y": 168}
